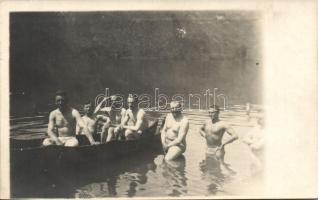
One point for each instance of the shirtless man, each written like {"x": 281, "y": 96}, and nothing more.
{"x": 135, "y": 121}
{"x": 255, "y": 141}
{"x": 175, "y": 129}
{"x": 91, "y": 120}
{"x": 62, "y": 124}
{"x": 213, "y": 130}
{"x": 115, "y": 113}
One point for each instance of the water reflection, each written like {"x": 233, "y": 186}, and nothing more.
{"x": 141, "y": 174}
{"x": 131, "y": 170}
{"x": 174, "y": 173}
{"x": 215, "y": 173}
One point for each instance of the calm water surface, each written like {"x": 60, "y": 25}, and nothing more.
{"x": 146, "y": 174}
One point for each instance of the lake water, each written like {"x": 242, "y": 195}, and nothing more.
{"x": 147, "y": 175}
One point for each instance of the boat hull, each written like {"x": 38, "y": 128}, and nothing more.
{"x": 29, "y": 157}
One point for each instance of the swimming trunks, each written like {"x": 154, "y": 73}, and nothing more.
{"x": 213, "y": 150}
{"x": 181, "y": 145}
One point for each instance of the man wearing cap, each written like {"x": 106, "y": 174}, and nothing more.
{"x": 62, "y": 124}
{"x": 175, "y": 129}
{"x": 135, "y": 121}
{"x": 91, "y": 119}
{"x": 213, "y": 131}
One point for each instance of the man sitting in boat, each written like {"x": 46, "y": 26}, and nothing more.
{"x": 62, "y": 124}
{"x": 213, "y": 131}
{"x": 91, "y": 120}
{"x": 115, "y": 113}
{"x": 175, "y": 129}
{"x": 135, "y": 121}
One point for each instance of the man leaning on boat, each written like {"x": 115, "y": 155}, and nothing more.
{"x": 62, "y": 124}
{"x": 135, "y": 121}
{"x": 115, "y": 114}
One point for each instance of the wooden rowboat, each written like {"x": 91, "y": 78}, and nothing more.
{"x": 29, "y": 156}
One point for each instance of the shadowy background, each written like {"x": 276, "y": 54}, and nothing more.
{"x": 177, "y": 52}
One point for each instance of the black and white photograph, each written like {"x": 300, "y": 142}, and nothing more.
{"x": 143, "y": 103}
{"x": 125, "y": 104}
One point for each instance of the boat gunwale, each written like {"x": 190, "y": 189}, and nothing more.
{"x": 154, "y": 125}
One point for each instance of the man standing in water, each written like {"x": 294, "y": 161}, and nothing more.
{"x": 213, "y": 130}
{"x": 62, "y": 124}
{"x": 175, "y": 129}
{"x": 91, "y": 120}
{"x": 255, "y": 141}
{"x": 135, "y": 121}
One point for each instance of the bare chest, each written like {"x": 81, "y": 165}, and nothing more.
{"x": 173, "y": 125}
{"x": 89, "y": 121}
{"x": 132, "y": 117}
{"x": 115, "y": 116}
{"x": 64, "y": 120}
{"x": 216, "y": 129}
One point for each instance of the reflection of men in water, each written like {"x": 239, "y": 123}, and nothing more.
{"x": 91, "y": 120}
{"x": 175, "y": 129}
{"x": 255, "y": 140}
{"x": 212, "y": 173}
{"x": 62, "y": 124}
{"x": 213, "y": 130}
{"x": 174, "y": 173}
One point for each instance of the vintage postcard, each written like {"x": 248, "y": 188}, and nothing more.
{"x": 152, "y": 99}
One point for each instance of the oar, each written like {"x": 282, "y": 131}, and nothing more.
{"x": 100, "y": 104}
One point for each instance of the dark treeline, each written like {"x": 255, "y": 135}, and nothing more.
{"x": 177, "y": 52}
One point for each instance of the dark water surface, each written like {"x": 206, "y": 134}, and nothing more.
{"x": 146, "y": 174}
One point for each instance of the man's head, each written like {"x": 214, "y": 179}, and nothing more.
{"x": 214, "y": 112}
{"x": 175, "y": 108}
{"x": 88, "y": 108}
{"x": 61, "y": 100}
{"x": 132, "y": 101}
{"x": 115, "y": 102}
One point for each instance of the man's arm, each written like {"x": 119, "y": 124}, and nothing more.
{"x": 140, "y": 119}
{"x": 248, "y": 138}
{"x": 124, "y": 119}
{"x": 202, "y": 130}
{"x": 232, "y": 133}
{"x": 163, "y": 133}
{"x": 106, "y": 119}
{"x": 50, "y": 129}
{"x": 258, "y": 145}
{"x": 100, "y": 105}
{"x": 102, "y": 117}
{"x": 82, "y": 125}
{"x": 78, "y": 129}
{"x": 184, "y": 127}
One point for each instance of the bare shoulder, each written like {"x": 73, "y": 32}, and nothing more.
{"x": 168, "y": 116}
{"x": 185, "y": 120}
{"x": 207, "y": 121}
{"x": 141, "y": 112}
{"x": 105, "y": 109}
{"x": 128, "y": 110}
{"x": 53, "y": 113}
{"x": 224, "y": 124}
{"x": 75, "y": 112}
